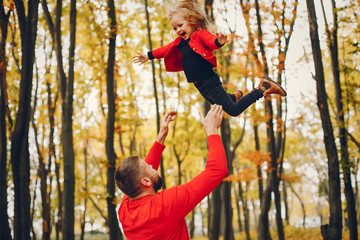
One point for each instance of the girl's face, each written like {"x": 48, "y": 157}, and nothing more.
{"x": 181, "y": 27}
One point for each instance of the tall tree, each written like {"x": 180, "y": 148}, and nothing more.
{"x": 334, "y": 229}
{"x": 283, "y": 40}
{"x": 214, "y": 211}
{"x": 4, "y": 223}
{"x": 245, "y": 7}
{"x": 263, "y": 227}
{"x": 346, "y": 165}
{"x": 162, "y": 171}
{"x": 85, "y": 187}
{"x": 244, "y": 203}
{"x": 226, "y": 140}
{"x": 66, "y": 88}
{"x": 112, "y": 221}
{"x": 276, "y": 141}
{"x": 43, "y": 170}
{"x": 28, "y": 18}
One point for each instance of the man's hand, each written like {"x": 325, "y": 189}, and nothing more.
{"x": 212, "y": 120}
{"x": 140, "y": 58}
{"x": 164, "y": 126}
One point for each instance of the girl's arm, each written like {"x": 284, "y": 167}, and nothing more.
{"x": 158, "y": 53}
{"x": 211, "y": 40}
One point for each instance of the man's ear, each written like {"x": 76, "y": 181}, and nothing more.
{"x": 146, "y": 181}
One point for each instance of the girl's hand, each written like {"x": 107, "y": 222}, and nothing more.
{"x": 222, "y": 38}
{"x": 140, "y": 58}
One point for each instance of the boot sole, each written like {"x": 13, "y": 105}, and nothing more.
{"x": 268, "y": 78}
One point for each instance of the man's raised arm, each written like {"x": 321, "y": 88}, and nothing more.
{"x": 154, "y": 156}
{"x": 164, "y": 126}
{"x": 213, "y": 119}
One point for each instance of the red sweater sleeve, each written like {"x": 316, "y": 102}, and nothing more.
{"x": 180, "y": 200}
{"x": 154, "y": 156}
{"x": 207, "y": 38}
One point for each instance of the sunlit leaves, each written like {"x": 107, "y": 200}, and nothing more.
{"x": 246, "y": 175}
{"x": 257, "y": 157}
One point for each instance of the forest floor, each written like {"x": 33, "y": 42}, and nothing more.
{"x": 291, "y": 233}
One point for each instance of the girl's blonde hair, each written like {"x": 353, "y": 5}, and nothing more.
{"x": 191, "y": 11}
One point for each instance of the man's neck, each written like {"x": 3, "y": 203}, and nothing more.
{"x": 143, "y": 194}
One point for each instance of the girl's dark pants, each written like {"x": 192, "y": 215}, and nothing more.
{"x": 213, "y": 91}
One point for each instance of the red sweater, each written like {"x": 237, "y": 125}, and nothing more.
{"x": 201, "y": 41}
{"x": 162, "y": 216}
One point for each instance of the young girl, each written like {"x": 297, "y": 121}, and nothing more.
{"x": 192, "y": 52}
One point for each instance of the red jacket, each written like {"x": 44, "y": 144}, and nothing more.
{"x": 162, "y": 216}
{"x": 201, "y": 41}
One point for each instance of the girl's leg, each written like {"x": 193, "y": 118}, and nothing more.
{"x": 205, "y": 90}
{"x": 214, "y": 92}
{"x": 202, "y": 88}
{"x": 234, "y": 109}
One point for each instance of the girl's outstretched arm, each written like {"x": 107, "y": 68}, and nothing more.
{"x": 140, "y": 58}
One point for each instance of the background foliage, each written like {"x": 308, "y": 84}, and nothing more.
{"x": 304, "y": 163}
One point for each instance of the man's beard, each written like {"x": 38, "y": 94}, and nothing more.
{"x": 158, "y": 184}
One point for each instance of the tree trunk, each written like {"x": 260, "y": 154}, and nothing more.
{"x": 245, "y": 211}
{"x": 237, "y": 204}
{"x": 226, "y": 190}
{"x": 32, "y": 211}
{"x": 254, "y": 212}
{"x": 4, "y": 223}
{"x": 276, "y": 143}
{"x": 19, "y": 137}
{"x": 277, "y": 196}
{"x": 263, "y": 225}
{"x": 163, "y": 93}
{"x": 285, "y": 200}
{"x": 245, "y": 10}
{"x": 192, "y": 224}
{"x": 56, "y": 38}
{"x": 214, "y": 210}
{"x": 58, "y": 224}
{"x": 214, "y": 213}
{"x": 43, "y": 174}
{"x": 226, "y": 139}
{"x": 334, "y": 229}
{"x": 263, "y": 228}
{"x": 344, "y": 153}
{"x": 162, "y": 171}
{"x": 258, "y": 167}
{"x": 83, "y": 214}
{"x": 178, "y": 160}
{"x": 51, "y": 153}
{"x": 114, "y": 230}
{"x": 301, "y": 203}
{"x": 67, "y": 133}
{"x": 66, "y": 89}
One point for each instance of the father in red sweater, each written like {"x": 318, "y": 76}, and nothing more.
{"x": 146, "y": 214}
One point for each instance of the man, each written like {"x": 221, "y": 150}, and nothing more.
{"x": 146, "y": 214}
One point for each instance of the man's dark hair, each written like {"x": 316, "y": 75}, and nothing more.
{"x": 128, "y": 175}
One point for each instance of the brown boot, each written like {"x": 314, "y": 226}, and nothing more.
{"x": 238, "y": 94}
{"x": 268, "y": 86}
